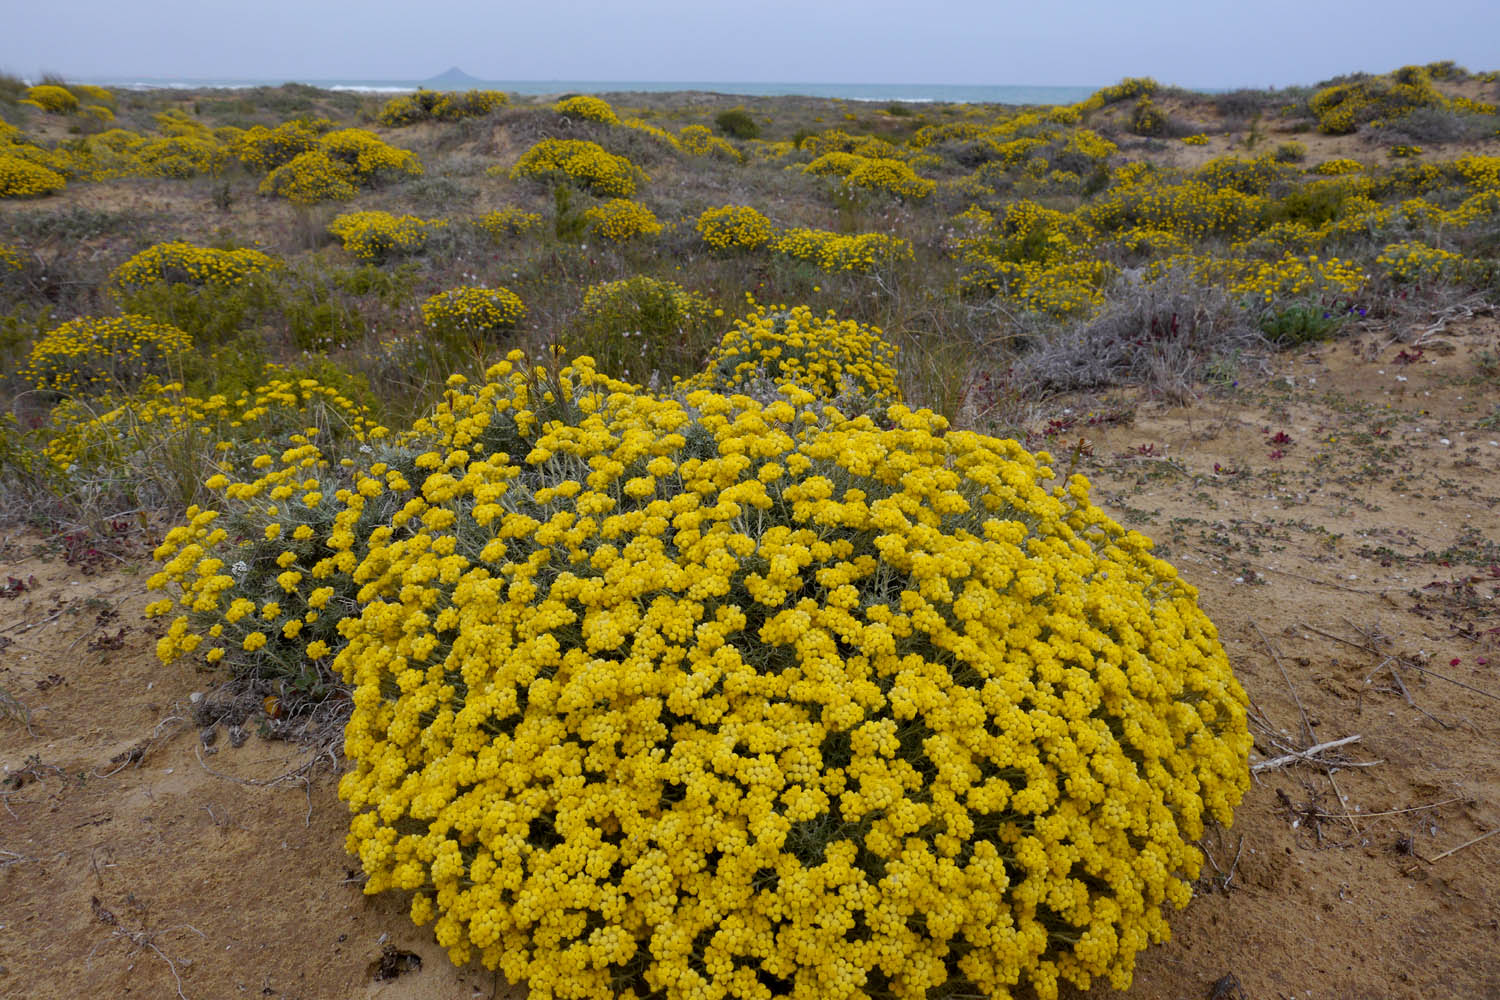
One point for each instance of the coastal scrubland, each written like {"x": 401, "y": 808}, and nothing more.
{"x": 696, "y": 546}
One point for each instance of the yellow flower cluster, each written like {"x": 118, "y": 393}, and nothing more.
{"x": 1342, "y": 108}
{"x": 261, "y": 580}
{"x": 1089, "y": 145}
{"x": 10, "y": 257}
{"x": 99, "y": 95}
{"x": 620, "y": 219}
{"x": 375, "y": 236}
{"x": 21, "y": 178}
{"x": 185, "y": 263}
{"x": 842, "y": 252}
{"x": 1056, "y": 288}
{"x": 1481, "y": 172}
{"x": 341, "y": 162}
{"x": 433, "y": 105}
{"x": 737, "y": 227}
{"x": 1191, "y": 208}
{"x": 507, "y": 221}
{"x": 701, "y": 697}
{"x": 699, "y": 140}
{"x": 1247, "y": 176}
{"x": 99, "y": 354}
{"x": 1130, "y": 87}
{"x": 821, "y": 355}
{"x": 309, "y": 178}
{"x": 1337, "y": 167}
{"x": 1418, "y": 263}
{"x": 1035, "y": 256}
{"x": 180, "y": 156}
{"x": 834, "y": 163}
{"x": 1297, "y": 277}
{"x": 367, "y": 155}
{"x": 1261, "y": 282}
{"x": 1195, "y": 140}
{"x": 889, "y": 176}
{"x": 238, "y": 429}
{"x": 264, "y": 149}
{"x": 594, "y": 109}
{"x": 656, "y": 132}
{"x": 580, "y": 162}
{"x": 52, "y": 98}
{"x": 473, "y": 313}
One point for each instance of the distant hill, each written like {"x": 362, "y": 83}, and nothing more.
{"x": 452, "y": 77}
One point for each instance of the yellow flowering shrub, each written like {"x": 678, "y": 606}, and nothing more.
{"x": 1418, "y": 263}
{"x": 367, "y": 155}
{"x": 620, "y": 219}
{"x": 261, "y": 580}
{"x": 835, "y": 163}
{"x": 1254, "y": 176}
{"x": 473, "y": 313}
{"x": 99, "y": 354}
{"x": 10, "y": 258}
{"x": 20, "y": 178}
{"x": 309, "y": 178}
{"x": 580, "y": 162}
{"x": 1195, "y": 140}
{"x": 1263, "y": 282}
{"x": 443, "y": 106}
{"x": 842, "y": 252}
{"x": 1189, "y": 207}
{"x": 237, "y": 428}
{"x": 1481, "y": 172}
{"x": 831, "y": 359}
{"x": 1058, "y": 288}
{"x": 52, "y": 98}
{"x": 1130, "y": 87}
{"x": 734, "y": 227}
{"x": 177, "y": 122}
{"x": 508, "y": 221}
{"x": 889, "y": 176}
{"x": 375, "y": 236}
{"x": 705, "y": 697}
{"x": 1146, "y": 118}
{"x": 1342, "y": 108}
{"x": 99, "y": 95}
{"x": 341, "y": 162}
{"x": 181, "y": 156}
{"x": 264, "y": 149}
{"x": 589, "y": 108}
{"x": 656, "y": 132}
{"x": 1337, "y": 167}
{"x": 699, "y": 140}
{"x": 179, "y": 262}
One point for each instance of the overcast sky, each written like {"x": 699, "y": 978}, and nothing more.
{"x": 1207, "y": 43}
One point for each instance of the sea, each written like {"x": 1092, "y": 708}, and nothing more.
{"x": 906, "y": 93}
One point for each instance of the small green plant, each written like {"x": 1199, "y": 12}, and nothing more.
{"x": 737, "y": 124}
{"x": 1301, "y": 324}
{"x": 641, "y": 325}
{"x": 569, "y": 219}
{"x": 1290, "y": 152}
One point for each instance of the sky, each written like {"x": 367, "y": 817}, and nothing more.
{"x": 1208, "y": 43}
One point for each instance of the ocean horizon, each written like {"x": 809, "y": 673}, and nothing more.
{"x": 916, "y": 93}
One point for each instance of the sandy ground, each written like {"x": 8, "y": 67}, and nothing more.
{"x": 1351, "y": 565}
